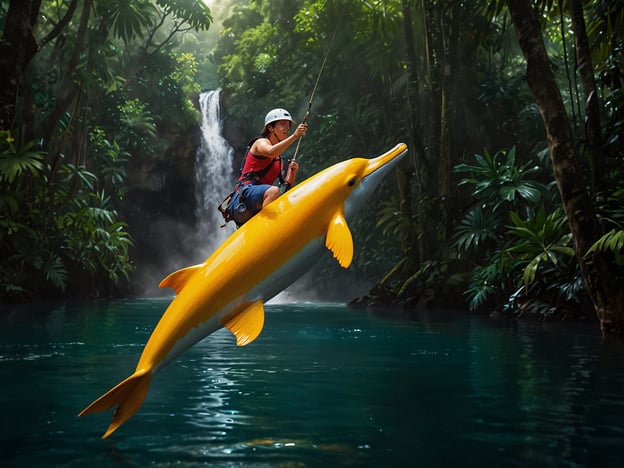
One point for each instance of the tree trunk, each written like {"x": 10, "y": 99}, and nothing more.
{"x": 429, "y": 215}
{"x": 68, "y": 90}
{"x": 17, "y": 48}
{"x": 592, "y": 110}
{"x": 598, "y": 272}
{"x": 450, "y": 24}
{"x": 405, "y": 176}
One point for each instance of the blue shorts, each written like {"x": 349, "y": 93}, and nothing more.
{"x": 247, "y": 201}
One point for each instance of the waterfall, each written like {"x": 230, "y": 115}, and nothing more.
{"x": 213, "y": 177}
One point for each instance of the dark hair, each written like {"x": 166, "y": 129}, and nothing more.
{"x": 265, "y": 130}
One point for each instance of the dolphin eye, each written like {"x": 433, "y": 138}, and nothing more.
{"x": 352, "y": 182}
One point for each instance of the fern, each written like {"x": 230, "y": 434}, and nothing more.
{"x": 612, "y": 241}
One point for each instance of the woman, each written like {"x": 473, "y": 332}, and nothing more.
{"x": 262, "y": 166}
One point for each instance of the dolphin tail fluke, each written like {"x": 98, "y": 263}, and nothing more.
{"x": 128, "y": 396}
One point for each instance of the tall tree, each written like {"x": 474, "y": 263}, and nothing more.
{"x": 592, "y": 108}
{"x": 414, "y": 135}
{"x": 600, "y": 279}
{"x": 17, "y": 48}
{"x": 69, "y": 88}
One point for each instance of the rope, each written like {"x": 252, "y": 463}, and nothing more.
{"x": 318, "y": 77}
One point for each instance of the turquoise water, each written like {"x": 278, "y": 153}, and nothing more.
{"x": 322, "y": 385}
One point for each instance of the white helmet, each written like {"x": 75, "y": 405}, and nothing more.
{"x": 277, "y": 114}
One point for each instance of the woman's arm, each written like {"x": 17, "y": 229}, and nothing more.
{"x": 263, "y": 146}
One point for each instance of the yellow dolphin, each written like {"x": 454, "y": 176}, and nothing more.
{"x": 259, "y": 260}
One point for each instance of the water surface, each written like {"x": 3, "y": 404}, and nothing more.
{"x": 322, "y": 385}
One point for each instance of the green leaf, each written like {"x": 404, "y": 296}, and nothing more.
{"x": 530, "y": 270}
{"x": 612, "y": 241}
{"x": 15, "y": 161}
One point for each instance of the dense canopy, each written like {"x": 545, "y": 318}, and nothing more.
{"x": 513, "y": 198}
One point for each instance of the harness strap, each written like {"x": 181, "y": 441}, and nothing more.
{"x": 255, "y": 176}
{"x": 223, "y": 209}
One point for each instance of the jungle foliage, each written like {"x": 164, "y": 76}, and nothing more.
{"x": 477, "y": 212}
{"x": 88, "y": 88}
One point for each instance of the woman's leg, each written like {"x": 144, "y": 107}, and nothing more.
{"x": 271, "y": 194}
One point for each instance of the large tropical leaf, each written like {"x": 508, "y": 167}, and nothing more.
{"x": 16, "y": 160}
{"x": 195, "y": 12}
{"x": 545, "y": 238}
{"x": 478, "y": 225}
{"x": 500, "y": 180}
{"x": 612, "y": 241}
{"x": 131, "y": 18}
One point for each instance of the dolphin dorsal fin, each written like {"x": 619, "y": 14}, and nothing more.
{"x": 339, "y": 240}
{"x": 247, "y": 325}
{"x": 178, "y": 279}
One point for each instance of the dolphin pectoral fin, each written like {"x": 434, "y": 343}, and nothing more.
{"x": 178, "y": 279}
{"x": 247, "y": 325}
{"x": 339, "y": 240}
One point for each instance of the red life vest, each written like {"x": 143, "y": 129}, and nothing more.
{"x": 260, "y": 169}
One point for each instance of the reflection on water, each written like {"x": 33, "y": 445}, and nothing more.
{"x": 321, "y": 385}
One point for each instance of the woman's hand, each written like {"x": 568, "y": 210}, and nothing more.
{"x": 293, "y": 166}
{"x": 301, "y": 130}
{"x": 291, "y": 175}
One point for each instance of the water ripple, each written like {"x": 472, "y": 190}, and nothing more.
{"x": 322, "y": 385}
